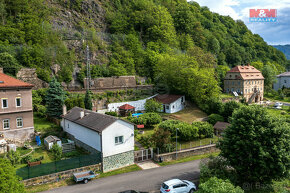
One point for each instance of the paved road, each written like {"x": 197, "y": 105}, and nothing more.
{"x": 144, "y": 180}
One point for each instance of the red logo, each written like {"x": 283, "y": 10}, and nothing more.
{"x": 263, "y": 15}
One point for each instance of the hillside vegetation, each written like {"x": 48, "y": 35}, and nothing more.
{"x": 178, "y": 45}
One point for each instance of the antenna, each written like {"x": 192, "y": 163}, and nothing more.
{"x": 88, "y": 69}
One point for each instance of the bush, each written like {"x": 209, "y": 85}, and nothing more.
{"x": 57, "y": 152}
{"x": 151, "y": 119}
{"x": 218, "y": 186}
{"x": 204, "y": 129}
{"x": 212, "y": 106}
{"x": 112, "y": 113}
{"x": 152, "y": 105}
{"x": 187, "y": 132}
{"x": 26, "y": 159}
{"x": 14, "y": 157}
{"x": 213, "y": 118}
{"x": 137, "y": 120}
{"x": 170, "y": 125}
{"x": 229, "y": 108}
{"x": 40, "y": 110}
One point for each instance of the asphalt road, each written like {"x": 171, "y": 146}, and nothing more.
{"x": 145, "y": 180}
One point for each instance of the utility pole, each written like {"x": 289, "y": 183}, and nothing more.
{"x": 88, "y": 69}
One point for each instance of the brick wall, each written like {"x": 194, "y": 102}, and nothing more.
{"x": 187, "y": 153}
{"x": 59, "y": 176}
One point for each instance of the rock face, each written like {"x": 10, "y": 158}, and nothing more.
{"x": 29, "y": 75}
{"x": 112, "y": 82}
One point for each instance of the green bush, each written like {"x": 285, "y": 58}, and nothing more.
{"x": 112, "y": 113}
{"x": 26, "y": 159}
{"x": 229, "y": 108}
{"x": 187, "y": 132}
{"x": 14, "y": 157}
{"x": 40, "y": 110}
{"x": 151, "y": 119}
{"x": 218, "y": 186}
{"x": 205, "y": 129}
{"x": 213, "y": 118}
{"x": 170, "y": 125}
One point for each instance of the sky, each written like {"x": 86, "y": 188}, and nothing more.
{"x": 274, "y": 33}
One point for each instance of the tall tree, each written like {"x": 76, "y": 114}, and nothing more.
{"x": 55, "y": 98}
{"x": 9, "y": 179}
{"x": 88, "y": 100}
{"x": 257, "y": 145}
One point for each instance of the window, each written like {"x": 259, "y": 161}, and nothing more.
{"x": 173, "y": 106}
{"x": 6, "y": 124}
{"x": 19, "y": 122}
{"x": 18, "y": 102}
{"x": 4, "y": 103}
{"x": 167, "y": 107}
{"x": 118, "y": 140}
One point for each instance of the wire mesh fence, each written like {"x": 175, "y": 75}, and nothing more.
{"x": 167, "y": 148}
{"x": 58, "y": 166}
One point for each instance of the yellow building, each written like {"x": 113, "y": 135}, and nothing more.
{"x": 246, "y": 81}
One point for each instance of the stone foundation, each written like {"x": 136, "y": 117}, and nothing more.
{"x": 59, "y": 176}
{"x": 118, "y": 161}
{"x": 18, "y": 136}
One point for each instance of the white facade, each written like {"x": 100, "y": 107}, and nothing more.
{"x": 50, "y": 144}
{"x": 118, "y": 128}
{"x": 83, "y": 134}
{"x": 139, "y": 105}
{"x": 107, "y": 138}
{"x": 175, "y": 106}
{"x": 282, "y": 81}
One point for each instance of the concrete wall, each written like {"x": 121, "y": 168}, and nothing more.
{"x": 118, "y": 128}
{"x": 59, "y": 176}
{"x": 112, "y": 82}
{"x": 82, "y": 134}
{"x": 282, "y": 81}
{"x": 118, "y": 161}
{"x": 139, "y": 105}
{"x": 187, "y": 153}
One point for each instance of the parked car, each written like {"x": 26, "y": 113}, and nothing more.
{"x": 177, "y": 186}
{"x": 278, "y": 104}
{"x": 132, "y": 191}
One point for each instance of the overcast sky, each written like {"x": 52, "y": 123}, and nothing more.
{"x": 273, "y": 32}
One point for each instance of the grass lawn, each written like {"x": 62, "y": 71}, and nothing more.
{"x": 186, "y": 159}
{"x": 127, "y": 169}
{"x": 43, "y": 125}
{"x": 190, "y": 114}
{"x": 277, "y": 112}
{"x": 198, "y": 142}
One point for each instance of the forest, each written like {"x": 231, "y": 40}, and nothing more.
{"x": 179, "y": 46}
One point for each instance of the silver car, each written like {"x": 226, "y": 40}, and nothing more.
{"x": 177, "y": 186}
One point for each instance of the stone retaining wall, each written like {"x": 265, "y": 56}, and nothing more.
{"x": 59, "y": 176}
{"x": 118, "y": 161}
{"x": 187, "y": 153}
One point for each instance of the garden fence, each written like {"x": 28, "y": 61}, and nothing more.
{"x": 167, "y": 148}
{"x": 58, "y": 166}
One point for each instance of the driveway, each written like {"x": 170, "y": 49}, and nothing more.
{"x": 143, "y": 180}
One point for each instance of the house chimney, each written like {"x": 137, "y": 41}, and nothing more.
{"x": 82, "y": 114}
{"x": 64, "y": 110}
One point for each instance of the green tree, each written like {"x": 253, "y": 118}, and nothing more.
{"x": 9, "y": 63}
{"x": 55, "y": 98}
{"x": 14, "y": 157}
{"x": 152, "y": 105}
{"x": 257, "y": 145}
{"x": 151, "y": 118}
{"x": 229, "y": 108}
{"x": 213, "y": 118}
{"x": 269, "y": 74}
{"x": 9, "y": 179}
{"x": 218, "y": 186}
{"x": 161, "y": 138}
{"x": 88, "y": 100}
{"x": 56, "y": 151}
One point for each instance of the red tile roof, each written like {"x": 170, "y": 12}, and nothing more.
{"x": 244, "y": 69}
{"x": 126, "y": 107}
{"x": 167, "y": 98}
{"x": 8, "y": 82}
{"x": 140, "y": 126}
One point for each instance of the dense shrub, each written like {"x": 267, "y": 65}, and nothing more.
{"x": 169, "y": 125}
{"x": 212, "y": 105}
{"x": 40, "y": 110}
{"x": 218, "y": 186}
{"x": 187, "y": 132}
{"x": 152, "y": 105}
{"x": 204, "y": 129}
{"x": 213, "y": 118}
{"x": 112, "y": 113}
{"x": 151, "y": 119}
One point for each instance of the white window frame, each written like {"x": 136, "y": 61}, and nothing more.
{"x": 120, "y": 140}
{"x": 3, "y": 123}
{"x": 17, "y": 119}
{"x": 16, "y": 101}
{"x": 3, "y": 103}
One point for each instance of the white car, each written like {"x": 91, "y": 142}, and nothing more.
{"x": 278, "y": 104}
{"x": 177, "y": 186}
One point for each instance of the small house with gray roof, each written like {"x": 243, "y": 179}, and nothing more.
{"x": 283, "y": 81}
{"x": 111, "y": 136}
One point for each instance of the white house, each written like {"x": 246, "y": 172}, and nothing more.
{"x": 283, "y": 80}
{"x": 171, "y": 103}
{"x": 96, "y": 132}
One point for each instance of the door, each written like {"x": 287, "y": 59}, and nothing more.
{"x": 143, "y": 155}
{"x": 180, "y": 188}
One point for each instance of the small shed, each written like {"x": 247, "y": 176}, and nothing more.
{"x": 219, "y": 127}
{"x": 50, "y": 140}
{"x": 126, "y": 109}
